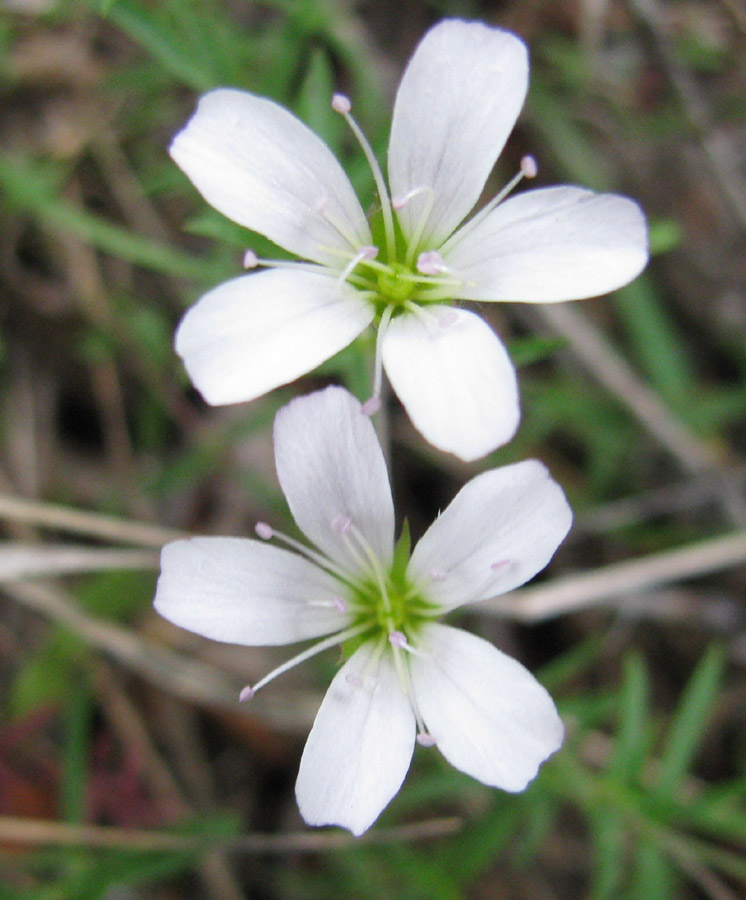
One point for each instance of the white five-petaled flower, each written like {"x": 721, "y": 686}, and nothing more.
{"x": 406, "y": 676}
{"x": 456, "y": 105}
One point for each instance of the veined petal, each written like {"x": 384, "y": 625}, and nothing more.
{"x": 489, "y": 716}
{"x": 456, "y": 106}
{"x": 332, "y": 471}
{"x": 256, "y": 332}
{"x": 260, "y": 166}
{"x": 360, "y": 746}
{"x": 499, "y": 530}
{"x": 550, "y": 244}
{"x": 244, "y": 592}
{"x": 454, "y": 378}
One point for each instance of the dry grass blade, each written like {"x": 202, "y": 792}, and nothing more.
{"x": 49, "y": 515}
{"x": 27, "y": 560}
{"x": 575, "y": 592}
{"x": 38, "y": 831}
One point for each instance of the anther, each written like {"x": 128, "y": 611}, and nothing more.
{"x": 341, "y": 104}
{"x": 501, "y": 565}
{"x": 246, "y": 694}
{"x": 340, "y": 604}
{"x": 437, "y": 574}
{"x": 398, "y": 639}
{"x": 431, "y": 263}
{"x": 353, "y": 680}
{"x": 341, "y": 523}
{"x": 425, "y": 740}
{"x": 263, "y": 531}
{"x": 371, "y": 406}
{"x": 529, "y": 167}
{"x": 401, "y": 200}
{"x": 250, "y": 260}
{"x": 450, "y": 317}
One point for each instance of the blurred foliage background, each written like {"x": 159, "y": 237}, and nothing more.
{"x": 127, "y": 769}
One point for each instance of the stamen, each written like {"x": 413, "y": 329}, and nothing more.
{"x": 399, "y": 640}
{"x": 416, "y": 235}
{"x": 321, "y": 207}
{"x": 428, "y": 280}
{"x": 266, "y": 532}
{"x": 405, "y": 679}
{"x": 252, "y": 261}
{"x": 528, "y": 169}
{"x": 341, "y": 523}
{"x": 478, "y": 592}
{"x": 373, "y": 404}
{"x": 339, "y": 603}
{"x": 367, "y": 252}
{"x": 400, "y": 201}
{"x": 368, "y": 560}
{"x": 368, "y": 261}
{"x": 246, "y": 694}
{"x": 431, "y": 319}
{"x": 331, "y": 641}
{"x": 364, "y": 679}
{"x": 342, "y": 105}
{"x": 431, "y": 263}
{"x": 425, "y": 739}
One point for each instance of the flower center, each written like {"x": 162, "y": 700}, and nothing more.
{"x": 395, "y": 288}
{"x": 394, "y": 606}
{"x": 377, "y": 604}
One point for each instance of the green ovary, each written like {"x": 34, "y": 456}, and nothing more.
{"x": 393, "y": 288}
{"x": 401, "y": 609}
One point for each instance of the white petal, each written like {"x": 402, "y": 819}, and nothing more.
{"x": 499, "y": 530}
{"x": 256, "y": 332}
{"x": 260, "y": 166}
{"x": 330, "y": 467}
{"x": 489, "y": 716}
{"x": 360, "y": 746}
{"x": 244, "y": 592}
{"x": 455, "y": 380}
{"x": 456, "y": 105}
{"x": 552, "y": 244}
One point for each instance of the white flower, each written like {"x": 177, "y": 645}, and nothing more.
{"x": 405, "y": 675}
{"x": 456, "y": 105}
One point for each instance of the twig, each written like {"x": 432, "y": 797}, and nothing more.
{"x": 19, "y": 560}
{"x": 39, "y": 831}
{"x": 64, "y": 518}
{"x": 575, "y": 592}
